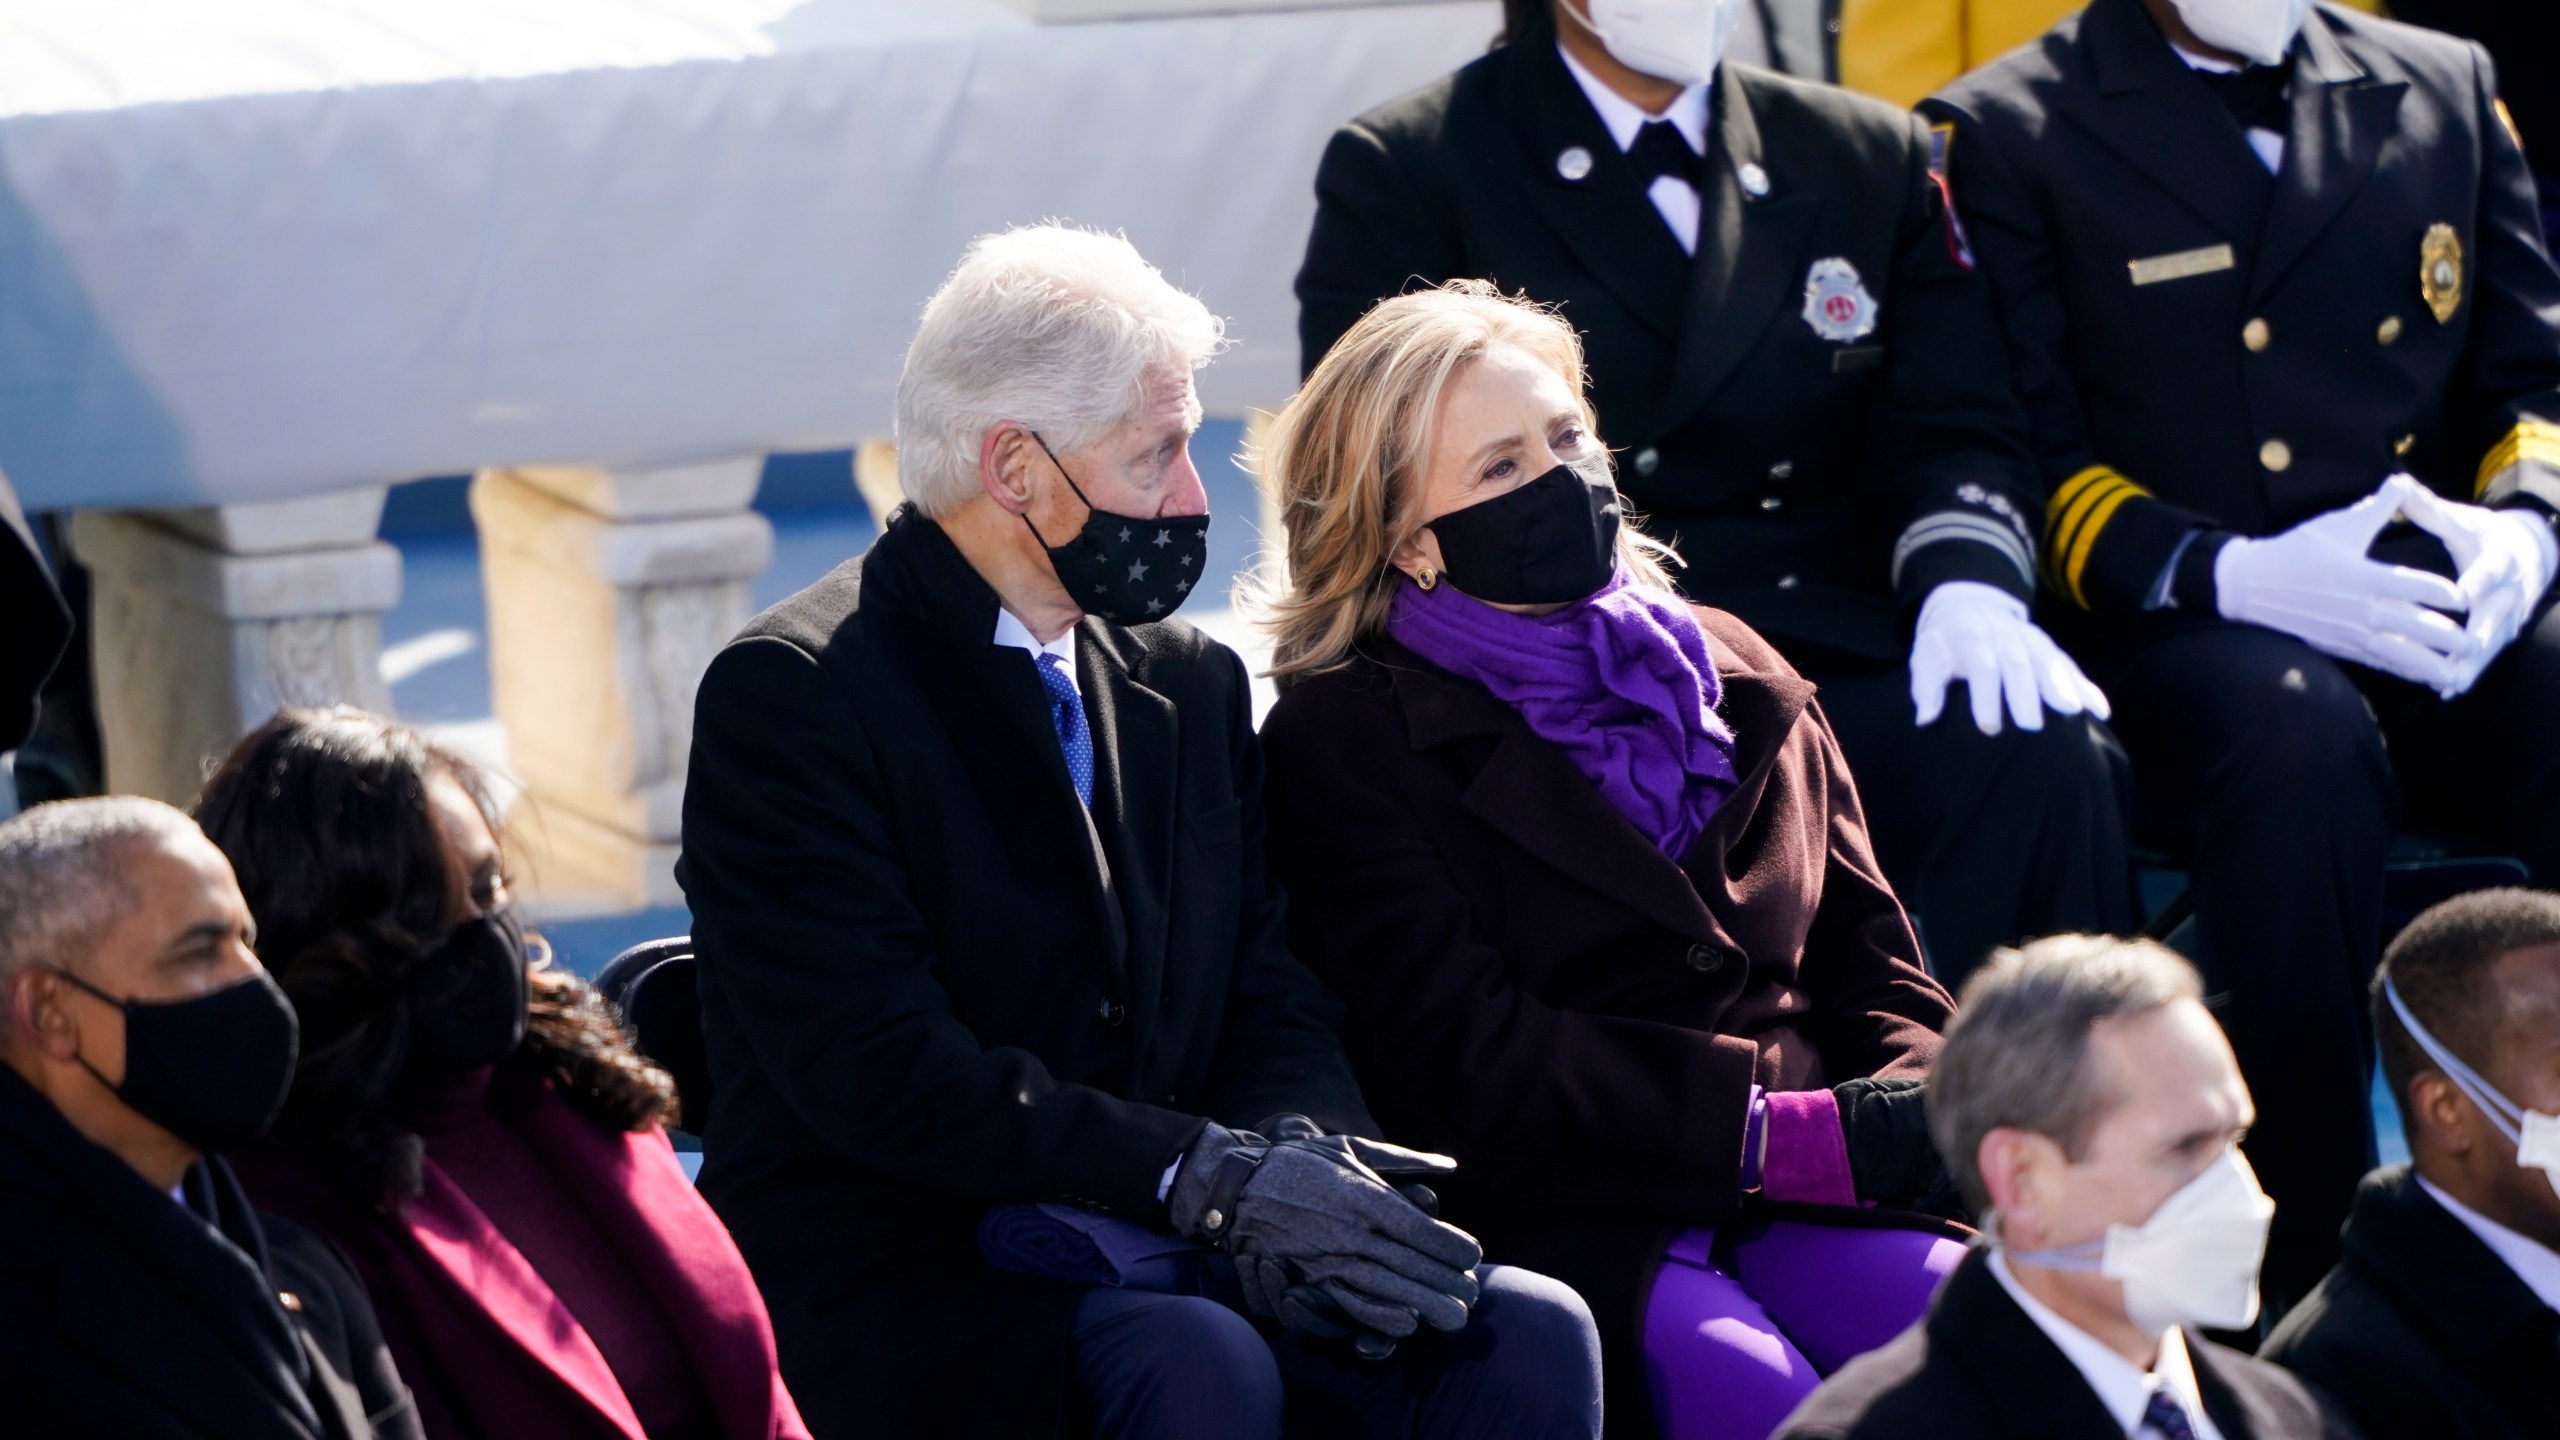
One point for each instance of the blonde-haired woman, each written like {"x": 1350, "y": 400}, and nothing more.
{"x": 1585, "y": 865}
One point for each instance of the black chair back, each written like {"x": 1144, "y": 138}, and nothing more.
{"x": 652, "y": 984}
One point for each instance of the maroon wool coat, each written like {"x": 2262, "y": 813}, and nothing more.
{"x": 1534, "y": 988}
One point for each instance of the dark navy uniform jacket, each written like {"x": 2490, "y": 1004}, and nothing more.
{"x": 1809, "y": 482}
{"x": 2201, "y": 344}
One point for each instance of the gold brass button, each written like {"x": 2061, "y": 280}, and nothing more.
{"x": 289, "y": 1301}
{"x": 2388, "y": 330}
{"x": 2401, "y": 445}
{"x": 2275, "y": 455}
{"x": 2255, "y": 335}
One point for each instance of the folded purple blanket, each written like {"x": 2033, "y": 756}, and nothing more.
{"x": 1087, "y": 1247}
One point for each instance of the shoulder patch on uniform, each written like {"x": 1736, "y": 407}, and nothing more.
{"x": 1942, "y": 138}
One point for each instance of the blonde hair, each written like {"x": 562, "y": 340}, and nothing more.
{"x": 1346, "y": 457}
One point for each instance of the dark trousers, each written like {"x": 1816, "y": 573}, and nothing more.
{"x": 2284, "y": 772}
{"x": 1153, "y": 1366}
{"x": 1988, "y": 839}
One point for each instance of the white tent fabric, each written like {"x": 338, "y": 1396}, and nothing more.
{"x": 254, "y": 249}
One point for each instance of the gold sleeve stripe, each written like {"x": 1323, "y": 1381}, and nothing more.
{"x": 2531, "y": 440}
{"x": 2071, "y": 503}
{"x": 2079, "y": 510}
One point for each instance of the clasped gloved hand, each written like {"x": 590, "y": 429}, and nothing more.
{"x": 2316, "y": 583}
{"x": 1892, "y": 1160}
{"x": 2507, "y": 559}
{"x": 1315, "y": 1230}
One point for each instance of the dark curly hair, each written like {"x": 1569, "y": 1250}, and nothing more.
{"x": 324, "y": 815}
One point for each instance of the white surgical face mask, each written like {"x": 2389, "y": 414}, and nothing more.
{"x": 2194, "y": 1262}
{"x": 1677, "y": 40}
{"x": 2535, "y": 1135}
{"x": 2261, "y": 30}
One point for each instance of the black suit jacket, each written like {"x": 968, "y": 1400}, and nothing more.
{"x": 1535, "y": 988}
{"x": 2297, "y": 362}
{"x": 1977, "y": 1366}
{"x": 930, "y": 984}
{"x": 2422, "y": 1329}
{"x": 1788, "y": 469}
{"x": 126, "y": 1314}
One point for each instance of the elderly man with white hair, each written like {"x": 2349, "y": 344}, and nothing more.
{"x": 1026, "y": 1119}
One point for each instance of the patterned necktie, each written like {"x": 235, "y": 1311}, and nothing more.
{"x": 1660, "y": 150}
{"x": 1066, "y": 713}
{"x": 2167, "y": 1418}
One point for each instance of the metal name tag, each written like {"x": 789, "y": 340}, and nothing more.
{"x": 2151, "y": 270}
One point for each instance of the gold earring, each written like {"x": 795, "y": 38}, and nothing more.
{"x": 1428, "y": 578}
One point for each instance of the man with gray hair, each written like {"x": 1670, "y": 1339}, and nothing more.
{"x": 1025, "y": 1116}
{"x": 139, "y": 1040}
{"x": 2090, "y": 1108}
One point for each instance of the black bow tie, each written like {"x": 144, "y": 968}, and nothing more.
{"x": 2255, "y": 96}
{"x": 1660, "y": 150}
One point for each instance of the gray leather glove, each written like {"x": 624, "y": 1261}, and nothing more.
{"x": 1307, "y": 1214}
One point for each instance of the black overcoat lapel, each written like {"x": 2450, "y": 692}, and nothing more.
{"x": 989, "y": 698}
{"x": 1603, "y": 215}
{"x": 2149, "y": 108}
{"x": 2033, "y": 1386}
{"x": 2341, "y": 118}
{"x": 185, "y": 1313}
{"x": 1135, "y": 731}
{"x": 1750, "y": 255}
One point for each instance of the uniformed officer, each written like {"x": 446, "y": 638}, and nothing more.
{"x": 2253, "y": 258}
{"x": 1809, "y": 400}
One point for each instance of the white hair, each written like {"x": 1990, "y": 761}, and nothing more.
{"x": 1065, "y": 331}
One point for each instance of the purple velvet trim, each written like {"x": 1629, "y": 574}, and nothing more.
{"x": 1620, "y": 679}
{"x": 1808, "y": 1158}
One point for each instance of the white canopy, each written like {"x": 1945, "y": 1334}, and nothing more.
{"x": 252, "y": 249}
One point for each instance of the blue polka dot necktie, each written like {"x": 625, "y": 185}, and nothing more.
{"x": 1066, "y": 713}
{"x": 2167, "y": 1418}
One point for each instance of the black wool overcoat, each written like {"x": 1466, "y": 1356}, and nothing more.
{"x": 2421, "y": 1329}
{"x": 1536, "y": 989}
{"x": 931, "y": 983}
{"x": 132, "y": 1314}
{"x": 1979, "y": 1367}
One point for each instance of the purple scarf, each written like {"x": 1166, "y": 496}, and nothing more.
{"x": 1620, "y": 679}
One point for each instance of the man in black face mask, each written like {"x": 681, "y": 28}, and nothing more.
{"x": 141, "y": 1039}
{"x": 1024, "y": 1112}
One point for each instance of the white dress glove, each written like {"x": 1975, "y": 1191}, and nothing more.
{"x": 2316, "y": 583}
{"x": 2507, "y": 559}
{"x": 1980, "y": 634}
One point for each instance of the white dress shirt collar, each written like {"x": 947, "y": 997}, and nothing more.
{"x": 2123, "y": 1387}
{"x": 2537, "y": 1265}
{"x": 1010, "y": 631}
{"x": 1623, "y": 117}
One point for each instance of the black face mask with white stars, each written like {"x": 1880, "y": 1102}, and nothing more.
{"x": 1122, "y": 568}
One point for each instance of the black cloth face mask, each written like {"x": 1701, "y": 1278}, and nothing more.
{"x": 212, "y": 1070}
{"x": 1552, "y": 540}
{"x": 1125, "y": 569}
{"x": 468, "y": 996}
